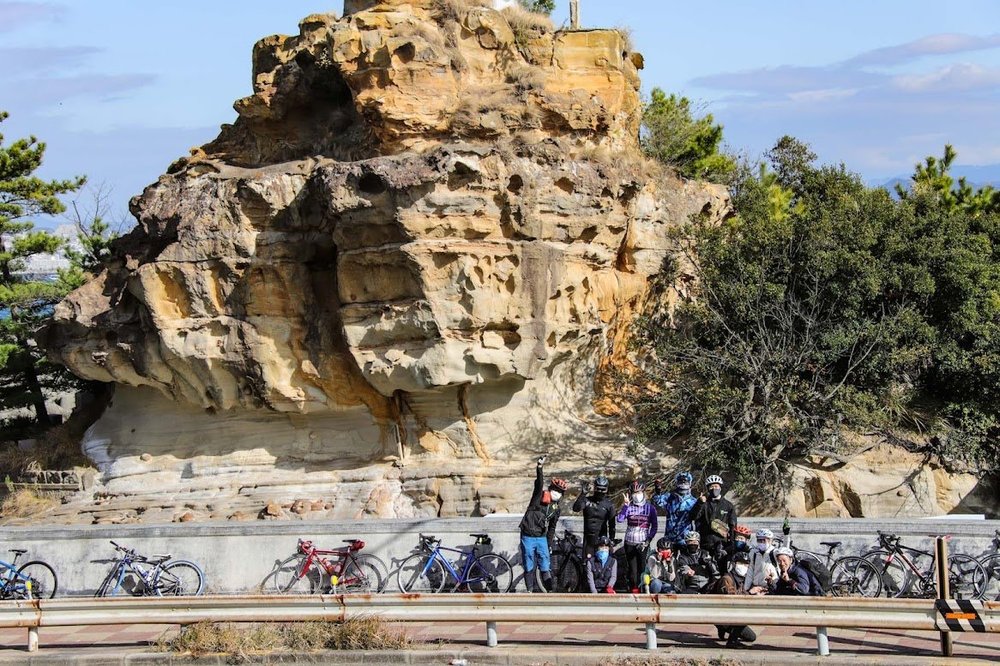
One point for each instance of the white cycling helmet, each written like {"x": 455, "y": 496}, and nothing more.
{"x": 765, "y": 533}
{"x": 715, "y": 478}
{"x": 691, "y": 535}
{"x": 784, "y": 551}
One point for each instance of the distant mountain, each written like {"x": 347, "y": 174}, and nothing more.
{"x": 977, "y": 176}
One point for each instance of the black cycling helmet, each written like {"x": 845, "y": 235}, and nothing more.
{"x": 663, "y": 543}
{"x": 637, "y": 486}
{"x": 604, "y": 541}
{"x": 601, "y": 483}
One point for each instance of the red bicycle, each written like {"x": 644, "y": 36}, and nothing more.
{"x": 313, "y": 570}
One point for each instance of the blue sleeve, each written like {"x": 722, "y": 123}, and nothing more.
{"x": 662, "y": 500}
{"x": 800, "y": 580}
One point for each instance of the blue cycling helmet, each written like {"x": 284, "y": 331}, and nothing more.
{"x": 683, "y": 480}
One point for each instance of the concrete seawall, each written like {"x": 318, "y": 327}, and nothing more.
{"x": 238, "y": 557}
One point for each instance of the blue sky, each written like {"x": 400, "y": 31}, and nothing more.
{"x": 120, "y": 88}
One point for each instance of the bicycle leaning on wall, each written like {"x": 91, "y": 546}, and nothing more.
{"x": 155, "y": 575}
{"x": 32, "y": 580}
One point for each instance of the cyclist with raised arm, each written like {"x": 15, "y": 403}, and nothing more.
{"x": 598, "y": 515}
{"x": 715, "y": 519}
{"x": 538, "y": 527}
{"x": 660, "y": 567}
{"x": 602, "y": 569}
{"x": 639, "y": 516}
{"x": 677, "y": 505}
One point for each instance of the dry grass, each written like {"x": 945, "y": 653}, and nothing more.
{"x": 240, "y": 642}
{"x": 628, "y": 45}
{"x": 24, "y": 503}
{"x": 525, "y": 77}
{"x": 526, "y": 25}
{"x": 456, "y": 9}
{"x": 57, "y": 448}
{"x": 671, "y": 661}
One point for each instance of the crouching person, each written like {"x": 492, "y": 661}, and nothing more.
{"x": 793, "y": 580}
{"x": 602, "y": 569}
{"x": 696, "y": 570}
{"x": 660, "y": 568}
{"x": 744, "y": 577}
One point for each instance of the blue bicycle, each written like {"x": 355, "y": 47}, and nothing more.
{"x": 475, "y": 571}
{"x": 32, "y": 580}
{"x": 156, "y": 575}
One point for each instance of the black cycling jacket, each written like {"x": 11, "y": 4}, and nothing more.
{"x": 598, "y": 516}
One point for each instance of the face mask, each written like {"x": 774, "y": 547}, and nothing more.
{"x": 762, "y": 546}
{"x": 666, "y": 554}
{"x": 741, "y": 569}
{"x": 638, "y": 498}
{"x": 742, "y": 546}
{"x": 554, "y": 495}
{"x": 600, "y": 493}
{"x": 715, "y": 493}
{"x": 602, "y": 555}
{"x": 692, "y": 548}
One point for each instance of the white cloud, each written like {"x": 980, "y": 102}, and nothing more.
{"x": 956, "y": 77}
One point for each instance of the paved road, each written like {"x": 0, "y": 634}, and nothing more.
{"x": 589, "y": 641}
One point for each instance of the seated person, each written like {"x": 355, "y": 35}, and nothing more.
{"x": 696, "y": 569}
{"x": 602, "y": 569}
{"x": 660, "y": 568}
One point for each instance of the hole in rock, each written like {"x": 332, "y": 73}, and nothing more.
{"x": 371, "y": 184}
{"x": 566, "y": 185}
{"x": 515, "y": 184}
{"x": 406, "y": 52}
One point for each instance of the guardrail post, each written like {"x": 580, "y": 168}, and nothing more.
{"x": 650, "y": 635}
{"x": 822, "y": 642}
{"x": 32, "y": 639}
{"x": 491, "y": 634}
{"x": 943, "y": 589}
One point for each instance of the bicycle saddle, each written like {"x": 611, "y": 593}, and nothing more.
{"x": 479, "y": 536}
{"x": 352, "y": 541}
{"x": 428, "y": 538}
{"x": 831, "y": 544}
{"x": 18, "y": 551}
{"x": 158, "y": 559}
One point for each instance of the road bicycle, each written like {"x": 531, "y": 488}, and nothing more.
{"x": 474, "y": 571}
{"x": 32, "y": 580}
{"x": 850, "y": 576}
{"x": 313, "y": 570}
{"x": 567, "y": 565}
{"x": 902, "y": 577}
{"x": 155, "y": 575}
{"x": 991, "y": 563}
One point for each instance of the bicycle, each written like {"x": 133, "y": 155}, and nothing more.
{"x": 429, "y": 570}
{"x": 850, "y": 576}
{"x": 991, "y": 563}
{"x": 32, "y": 580}
{"x": 156, "y": 575}
{"x": 314, "y": 570}
{"x": 567, "y": 565}
{"x": 901, "y": 577}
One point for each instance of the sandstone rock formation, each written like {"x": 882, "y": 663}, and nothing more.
{"x": 390, "y": 283}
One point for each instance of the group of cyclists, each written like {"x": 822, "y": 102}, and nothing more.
{"x": 702, "y": 548}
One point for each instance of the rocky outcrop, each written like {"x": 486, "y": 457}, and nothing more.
{"x": 390, "y": 284}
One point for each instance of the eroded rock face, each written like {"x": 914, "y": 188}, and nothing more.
{"x": 390, "y": 284}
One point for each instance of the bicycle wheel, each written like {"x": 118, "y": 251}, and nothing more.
{"x": 421, "y": 573}
{"x": 490, "y": 574}
{"x": 991, "y": 564}
{"x": 376, "y": 561}
{"x": 179, "y": 578}
{"x": 42, "y": 581}
{"x": 855, "y": 577}
{"x": 967, "y": 579}
{"x": 296, "y": 576}
{"x": 892, "y": 574}
{"x": 567, "y": 576}
{"x": 359, "y": 576}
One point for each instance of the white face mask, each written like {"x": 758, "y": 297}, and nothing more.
{"x": 554, "y": 495}
{"x": 741, "y": 569}
{"x": 638, "y": 498}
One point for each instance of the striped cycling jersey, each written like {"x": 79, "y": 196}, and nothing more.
{"x": 640, "y": 522}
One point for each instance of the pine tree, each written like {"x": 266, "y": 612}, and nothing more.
{"x": 26, "y": 300}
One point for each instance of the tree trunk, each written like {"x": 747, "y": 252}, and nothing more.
{"x": 34, "y": 388}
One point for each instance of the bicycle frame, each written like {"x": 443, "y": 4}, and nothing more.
{"x": 897, "y": 550}
{"x": 343, "y": 556}
{"x": 469, "y": 560}
{"x": 10, "y": 577}
{"x": 126, "y": 565}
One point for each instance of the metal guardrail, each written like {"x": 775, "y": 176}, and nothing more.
{"x": 648, "y": 610}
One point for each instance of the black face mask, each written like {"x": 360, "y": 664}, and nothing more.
{"x": 599, "y": 494}
{"x": 692, "y": 549}
{"x": 715, "y": 493}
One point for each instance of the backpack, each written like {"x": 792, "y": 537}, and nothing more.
{"x": 820, "y": 580}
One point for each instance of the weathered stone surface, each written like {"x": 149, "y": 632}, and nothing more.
{"x": 386, "y": 288}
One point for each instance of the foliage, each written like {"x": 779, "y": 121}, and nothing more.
{"x": 824, "y": 306}
{"x": 672, "y": 135}
{"x": 539, "y": 6}
{"x": 25, "y": 300}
